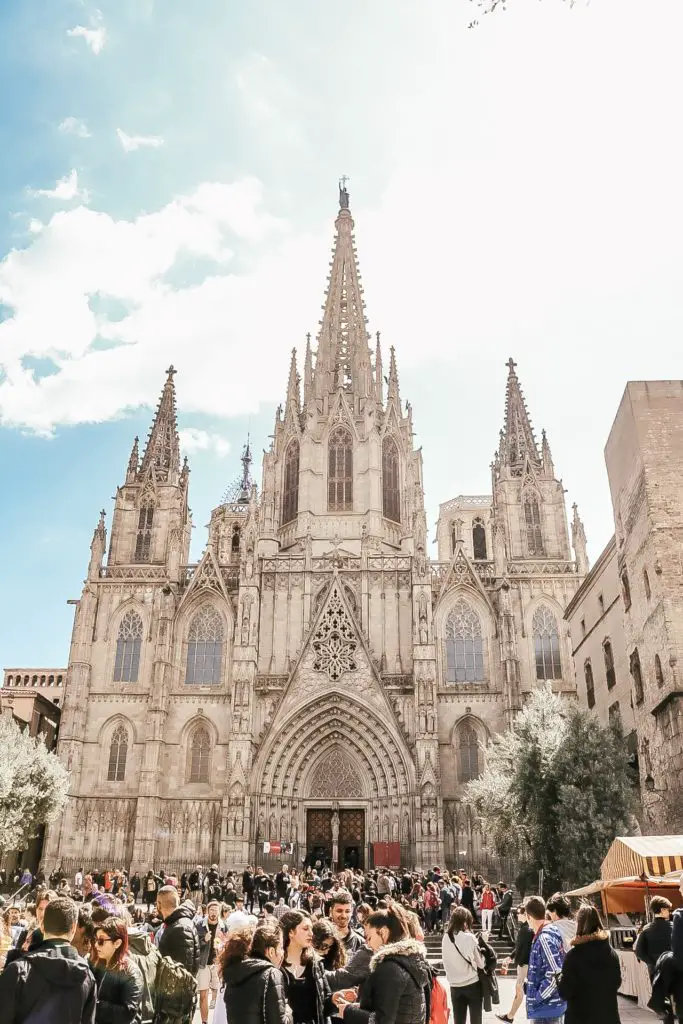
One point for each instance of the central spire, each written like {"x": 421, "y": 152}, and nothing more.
{"x": 517, "y": 441}
{"x": 343, "y": 357}
{"x": 163, "y": 449}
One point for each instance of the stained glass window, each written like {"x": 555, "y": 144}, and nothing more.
{"x": 391, "y": 485}
{"x": 143, "y": 541}
{"x": 546, "y": 644}
{"x": 532, "y": 518}
{"x": 479, "y": 539}
{"x": 340, "y": 471}
{"x": 118, "y": 752}
{"x": 468, "y": 743}
{"x": 205, "y": 647}
{"x": 128, "y": 645}
{"x": 464, "y": 645}
{"x": 290, "y": 491}
{"x": 200, "y": 750}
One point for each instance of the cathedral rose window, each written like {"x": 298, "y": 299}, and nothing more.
{"x": 335, "y": 641}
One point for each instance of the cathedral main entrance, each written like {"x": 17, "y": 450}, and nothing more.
{"x": 349, "y": 825}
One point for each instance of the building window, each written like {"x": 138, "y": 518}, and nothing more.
{"x": 626, "y": 590}
{"x": 340, "y": 471}
{"x": 128, "y": 644}
{"x": 590, "y": 685}
{"x": 479, "y": 539}
{"x": 532, "y": 519}
{"x": 601, "y": 604}
{"x": 235, "y": 540}
{"x": 546, "y": 644}
{"x": 454, "y": 537}
{"x": 608, "y": 655}
{"x": 637, "y": 677}
{"x": 391, "y": 484}
{"x": 143, "y": 541}
{"x": 200, "y": 750}
{"x": 468, "y": 743}
{"x": 290, "y": 490}
{"x": 614, "y": 713}
{"x": 205, "y": 647}
{"x": 464, "y": 645}
{"x": 659, "y": 675}
{"x": 646, "y": 584}
{"x": 118, "y": 752}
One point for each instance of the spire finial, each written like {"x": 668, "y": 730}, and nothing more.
{"x": 512, "y": 366}
{"x": 343, "y": 193}
{"x": 163, "y": 447}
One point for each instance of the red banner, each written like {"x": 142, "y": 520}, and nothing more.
{"x": 386, "y": 855}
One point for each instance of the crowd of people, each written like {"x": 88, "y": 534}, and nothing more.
{"x": 303, "y": 948}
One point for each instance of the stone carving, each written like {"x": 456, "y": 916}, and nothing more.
{"x": 335, "y": 776}
{"x": 335, "y": 640}
{"x": 335, "y": 827}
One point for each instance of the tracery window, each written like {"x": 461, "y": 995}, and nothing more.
{"x": 128, "y": 645}
{"x": 479, "y": 539}
{"x": 204, "y": 647}
{"x": 290, "y": 490}
{"x": 637, "y": 676}
{"x": 391, "y": 485}
{"x": 532, "y": 519}
{"x": 590, "y": 685}
{"x": 335, "y": 642}
{"x": 335, "y": 776}
{"x": 546, "y": 644}
{"x": 340, "y": 471}
{"x": 464, "y": 645}
{"x": 118, "y": 752}
{"x": 610, "y": 674}
{"x": 143, "y": 541}
{"x": 200, "y": 751}
{"x": 468, "y": 743}
{"x": 235, "y": 539}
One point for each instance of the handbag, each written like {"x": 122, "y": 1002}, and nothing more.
{"x": 489, "y": 982}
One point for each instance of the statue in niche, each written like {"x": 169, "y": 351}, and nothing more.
{"x": 246, "y": 619}
{"x": 432, "y": 821}
{"x": 394, "y": 830}
{"x": 385, "y": 828}
{"x": 335, "y": 827}
{"x": 375, "y": 829}
{"x": 249, "y": 567}
{"x": 423, "y": 628}
{"x": 421, "y": 561}
{"x": 273, "y": 827}
{"x": 294, "y": 831}
{"x": 430, "y": 721}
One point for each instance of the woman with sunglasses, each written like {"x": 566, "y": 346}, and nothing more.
{"x": 328, "y": 945}
{"x": 119, "y": 982}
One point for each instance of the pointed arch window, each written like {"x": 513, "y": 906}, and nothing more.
{"x": 204, "y": 647}
{"x": 464, "y": 645}
{"x": 532, "y": 522}
{"x": 590, "y": 685}
{"x": 143, "y": 540}
{"x": 340, "y": 471}
{"x": 608, "y": 654}
{"x": 546, "y": 644}
{"x": 235, "y": 540}
{"x": 637, "y": 676}
{"x": 290, "y": 490}
{"x": 479, "y": 539}
{"x": 391, "y": 485}
{"x": 468, "y": 743}
{"x": 118, "y": 753}
{"x": 128, "y": 645}
{"x": 200, "y": 752}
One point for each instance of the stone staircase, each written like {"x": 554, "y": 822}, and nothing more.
{"x": 502, "y": 947}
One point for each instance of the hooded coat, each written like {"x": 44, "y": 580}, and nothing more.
{"x": 146, "y": 956}
{"x": 255, "y": 993}
{"x": 397, "y": 990}
{"x": 590, "y": 980}
{"x": 179, "y": 939}
{"x": 119, "y": 994}
{"x": 52, "y": 983}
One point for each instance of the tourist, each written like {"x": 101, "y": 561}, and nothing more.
{"x": 119, "y": 982}
{"x": 308, "y": 992}
{"x": 328, "y": 944}
{"x": 655, "y": 938}
{"x": 467, "y": 897}
{"x": 543, "y": 999}
{"x": 341, "y": 911}
{"x": 210, "y": 933}
{"x": 238, "y": 918}
{"x": 397, "y": 990}
{"x": 32, "y": 936}
{"x": 253, "y": 985}
{"x": 523, "y": 940}
{"x": 504, "y": 908}
{"x": 85, "y": 931}
{"x": 150, "y": 890}
{"x": 432, "y": 907}
{"x": 179, "y": 939}
{"x": 283, "y": 883}
{"x": 462, "y": 961}
{"x": 196, "y": 884}
{"x": 52, "y": 979}
{"x": 248, "y": 888}
{"x": 560, "y": 912}
{"x": 487, "y": 905}
{"x": 591, "y": 974}
{"x": 146, "y": 957}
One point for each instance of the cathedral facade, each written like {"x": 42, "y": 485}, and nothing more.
{"x": 315, "y": 679}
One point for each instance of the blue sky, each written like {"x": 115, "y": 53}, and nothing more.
{"x": 168, "y": 191}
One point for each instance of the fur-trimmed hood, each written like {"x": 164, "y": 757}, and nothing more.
{"x": 410, "y": 954}
{"x": 580, "y": 940}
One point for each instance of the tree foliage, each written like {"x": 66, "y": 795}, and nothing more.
{"x": 556, "y": 791}
{"x": 33, "y": 785}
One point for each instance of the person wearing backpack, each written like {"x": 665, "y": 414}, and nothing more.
{"x": 179, "y": 939}
{"x": 462, "y": 961}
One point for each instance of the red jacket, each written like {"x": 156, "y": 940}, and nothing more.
{"x": 488, "y": 901}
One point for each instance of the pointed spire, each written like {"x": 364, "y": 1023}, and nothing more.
{"x": 163, "y": 448}
{"x": 579, "y": 543}
{"x": 293, "y": 403}
{"x": 517, "y": 438}
{"x": 245, "y": 484}
{"x": 133, "y": 461}
{"x": 379, "y": 380}
{"x": 308, "y": 371}
{"x": 343, "y": 358}
{"x": 97, "y": 547}
{"x": 392, "y": 394}
{"x": 546, "y": 456}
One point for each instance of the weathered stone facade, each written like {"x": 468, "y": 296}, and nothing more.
{"x": 315, "y": 660}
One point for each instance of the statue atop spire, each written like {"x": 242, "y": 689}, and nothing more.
{"x": 162, "y": 454}
{"x": 245, "y": 484}
{"x": 517, "y": 437}
{"x": 343, "y": 193}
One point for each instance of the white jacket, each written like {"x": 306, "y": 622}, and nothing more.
{"x": 461, "y": 963}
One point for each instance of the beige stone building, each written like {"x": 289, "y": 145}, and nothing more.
{"x": 315, "y": 679}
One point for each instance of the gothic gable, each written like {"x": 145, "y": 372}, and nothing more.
{"x": 207, "y": 577}
{"x": 461, "y": 572}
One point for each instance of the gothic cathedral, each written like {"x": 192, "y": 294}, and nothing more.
{"x": 315, "y": 679}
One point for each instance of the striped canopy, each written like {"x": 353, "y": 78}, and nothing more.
{"x": 635, "y": 855}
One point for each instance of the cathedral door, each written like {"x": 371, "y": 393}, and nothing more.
{"x": 351, "y": 838}
{"x": 319, "y": 836}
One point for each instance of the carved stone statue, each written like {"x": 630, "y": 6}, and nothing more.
{"x": 335, "y": 827}
{"x": 423, "y": 627}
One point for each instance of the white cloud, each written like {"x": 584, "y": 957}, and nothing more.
{"x": 65, "y": 189}
{"x": 132, "y": 142}
{"x": 35, "y": 226}
{"x": 95, "y": 37}
{"x": 74, "y": 126}
{"x": 194, "y": 440}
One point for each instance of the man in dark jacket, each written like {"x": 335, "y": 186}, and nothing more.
{"x": 341, "y": 911}
{"x": 52, "y": 983}
{"x": 248, "y": 889}
{"x": 504, "y": 908}
{"x": 179, "y": 939}
{"x": 655, "y": 937}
